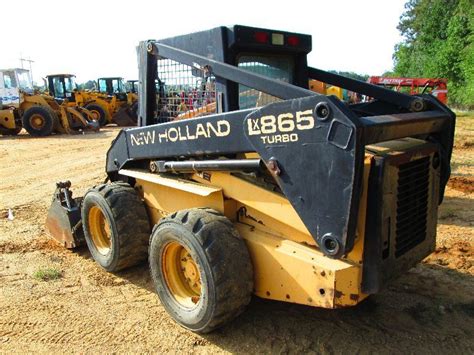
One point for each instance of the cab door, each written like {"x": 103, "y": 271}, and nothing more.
{"x": 9, "y": 89}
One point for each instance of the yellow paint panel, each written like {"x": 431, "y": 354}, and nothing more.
{"x": 288, "y": 271}
{"x": 162, "y": 200}
{"x": 262, "y": 200}
{"x": 7, "y": 119}
{"x": 179, "y": 184}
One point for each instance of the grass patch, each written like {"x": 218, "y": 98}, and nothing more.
{"x": 47, "y": 274}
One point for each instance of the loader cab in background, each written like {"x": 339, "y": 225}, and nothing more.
{"x": 62, "y": 87}
{"x": 132, "y": 86}
{"x": 12, "y": 82}
{"x": 186, "y": 91}
{"x": 113, "y": 86}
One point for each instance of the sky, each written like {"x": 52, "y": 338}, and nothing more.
{"x": 98, "y": 38}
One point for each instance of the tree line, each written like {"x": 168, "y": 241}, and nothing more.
{"x": 438, "y": 42}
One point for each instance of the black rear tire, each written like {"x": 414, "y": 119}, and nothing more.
{"x": 116, "y": 226}
{"x": 220, "y": 255}
{"x": 39, "y": 121}
{"x": 99, "y": 113}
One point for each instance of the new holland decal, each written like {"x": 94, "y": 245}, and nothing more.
{"x": 220, "y": 128}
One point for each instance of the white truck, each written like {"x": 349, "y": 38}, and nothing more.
{"x": 12, "y": 83}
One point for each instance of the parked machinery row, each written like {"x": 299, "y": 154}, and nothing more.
{"x": 63, "y": 108}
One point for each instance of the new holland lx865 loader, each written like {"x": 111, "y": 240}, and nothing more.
{"x": 281, "y": 192}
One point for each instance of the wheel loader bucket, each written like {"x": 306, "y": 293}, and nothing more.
{"x": 124, "y": 117}
{"x": 85, "y": 118}
{"x": 63, "y": 222}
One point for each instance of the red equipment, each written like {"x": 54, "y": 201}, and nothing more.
{"x": 437, "y": 87}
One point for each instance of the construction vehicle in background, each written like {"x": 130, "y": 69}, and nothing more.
{"x": 281, "y": 192}
{"x": 326, "y": 89}
{"x": 414, "y": 86}
{"x": 125, "y": 100}
{"x": 132, "y": 87}
{"x": 113, "y": 107}
{"x": 38, "y": 114}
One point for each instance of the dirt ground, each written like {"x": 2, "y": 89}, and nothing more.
{"x": 429, "y": 310}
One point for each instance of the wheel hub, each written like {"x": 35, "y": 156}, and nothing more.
{"x": 95, "y": 115}
{"x": 182, "y": 274}
{"x": 37, "y": 121}
{"x": 100, "y": 230}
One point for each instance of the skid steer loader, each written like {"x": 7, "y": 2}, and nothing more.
{"x": 280, "y": 192}
{"x": 38, "y": 114}
{"x": 111, "y": 104}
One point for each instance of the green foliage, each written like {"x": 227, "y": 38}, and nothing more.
{"x": 88, "y": 85}
{"x": 439, "y": 42}
{"x": 47, "y": 274}
{"x": 351, "y": 75}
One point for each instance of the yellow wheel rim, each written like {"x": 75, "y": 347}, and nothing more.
{"x": 182, "y": 275}
{"x": 100, "y": 230}
{"x": 37, "y": 121}
{"x": 95, "y": 115}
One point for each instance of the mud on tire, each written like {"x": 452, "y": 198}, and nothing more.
{"x": 116, "y": 226}
{"x": 223, "y": 262}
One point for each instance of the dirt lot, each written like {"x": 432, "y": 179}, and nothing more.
{"x": 430, "y": 310}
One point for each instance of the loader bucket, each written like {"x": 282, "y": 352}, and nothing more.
{"x": 124, "y": 117}
{"x": 63, "y": 222}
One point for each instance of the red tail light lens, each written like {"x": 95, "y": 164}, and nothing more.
{"x": 262, "y": 37}
{"x": 293, "y": 41}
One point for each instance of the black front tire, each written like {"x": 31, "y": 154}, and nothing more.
{"x": 223, "y": 261}
{"x": 99, "y": 113}
{"x": 39, "y": 121}
{"x": 120, "y": 211}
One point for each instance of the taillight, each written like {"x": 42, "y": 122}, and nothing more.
{"x": 293, "y": 41}
{"x": 262, "y": 37}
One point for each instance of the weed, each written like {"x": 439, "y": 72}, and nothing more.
{"x": 47, "y": 274}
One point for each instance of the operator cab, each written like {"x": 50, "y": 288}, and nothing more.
{"x": 113, "y": 86}
{"x": 275, "y": 54}
{"x": 62, "y": 87}
{"x": 12, "y": 81}
{"x": 132, "y": 86}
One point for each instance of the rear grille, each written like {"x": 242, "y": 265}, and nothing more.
{"x": 412, "y": 204}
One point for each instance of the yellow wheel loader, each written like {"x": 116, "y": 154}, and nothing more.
{"x": 111, "y": 104}
{"x": 325, "y": 89}
{"x": 281, "y": 192}
{"x": 132, "y": 87}
{"x": 125, "y": 105}
{"x": 38, "y": 114}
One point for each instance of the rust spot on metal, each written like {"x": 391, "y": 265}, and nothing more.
{"x": 58, "y": 232}
{"x": 338, "y": 294}
{"x": 273, "y": 167}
